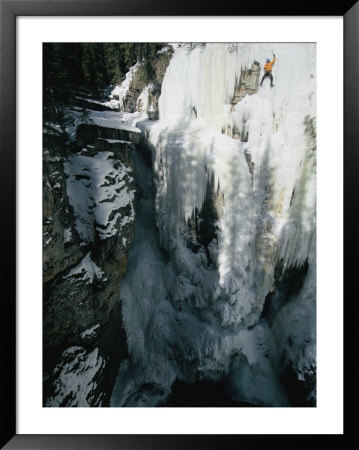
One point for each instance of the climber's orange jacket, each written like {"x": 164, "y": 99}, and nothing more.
{"x": 268, "y": 66}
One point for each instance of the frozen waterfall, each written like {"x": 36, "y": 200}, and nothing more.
{"x": 234, "y": 168}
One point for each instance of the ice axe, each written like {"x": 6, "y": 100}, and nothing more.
{"x": 273, "y": 54}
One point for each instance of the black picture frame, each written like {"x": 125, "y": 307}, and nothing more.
{"x": 9, "y": 10}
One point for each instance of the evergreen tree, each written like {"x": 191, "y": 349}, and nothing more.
{"x": 112, "y": 61}
{"x": 94, "y": 65}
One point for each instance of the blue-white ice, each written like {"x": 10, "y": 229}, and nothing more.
{"x": 184, "y": 318}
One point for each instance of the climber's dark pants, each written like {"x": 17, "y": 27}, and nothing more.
{"x": 268, "y": 74}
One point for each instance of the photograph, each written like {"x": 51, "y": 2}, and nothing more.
{"x": 177, "y": 221}
{"x": 179, "y": 224}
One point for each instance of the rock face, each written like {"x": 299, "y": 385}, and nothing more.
{"x": 101, "y": 138}
{"x": 148, "y": 75}
{"x": 153, "y": 96}
{"x": 61, "y": 242}
{"x": 88, "y": 226}
{"x": 84, "y": 374}
{"x": 160, "y": 66}
{"x": 247, "y": 85}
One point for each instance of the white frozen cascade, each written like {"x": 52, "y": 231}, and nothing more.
{"x": 203, "y": 319}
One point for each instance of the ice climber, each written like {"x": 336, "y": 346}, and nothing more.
{"x": 268, "y": 70}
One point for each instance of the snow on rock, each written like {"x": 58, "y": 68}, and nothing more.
{"x": 118, "y": 120}
{"x": 113, "y": 141}
{"x": 90, "y": 332}
{"x": 98, "y": 191}
{"x": 110, "y": 119}
{"x": 52, "y": 129}
{"x": 67, "y": 235}
{"x": 142, "y": 103}
{"x": 118, "y": 94}
{"x": 75, "y": 383}
{"x": 86, "y": 271}
{"x": 47, "y": 242}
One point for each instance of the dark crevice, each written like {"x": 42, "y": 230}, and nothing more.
{"x": 286, "y": 285}
{"x": 250, "y": 164}
{"x": 201, "y": 393}
{"x": 299, "y": 390}
{"x": 202, "y": 225}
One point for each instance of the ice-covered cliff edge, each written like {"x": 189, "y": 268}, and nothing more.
{"x": 277, "y": 125}
{"x": 235, "y": 178}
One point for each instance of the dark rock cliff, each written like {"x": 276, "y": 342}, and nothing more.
{"x": 88, "y": 226}
{"x": 150, "y": 73}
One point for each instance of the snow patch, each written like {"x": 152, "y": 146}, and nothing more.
{"x": 74, "y": 383}
{"x": 67, "y": 235}
{"x": 47, "y": 242}
{"x": 118, "y": 94}
{"x": 90, "y": 332}
{"x": 98, "y": 192}
{"x": 86, "y": 271}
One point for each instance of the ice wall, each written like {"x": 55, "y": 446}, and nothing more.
{"x": 272, "y": 208}
{"x": 266, "y": 222}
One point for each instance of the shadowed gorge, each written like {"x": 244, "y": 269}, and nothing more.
{"x": 179, "y": 225}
